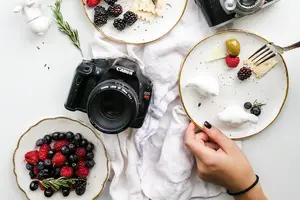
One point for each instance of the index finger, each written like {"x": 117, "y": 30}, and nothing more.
{"x": 197, "y": 147}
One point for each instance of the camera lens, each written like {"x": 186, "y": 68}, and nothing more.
{"x": 248, "y": 2}
{"x": 112, "y": 106}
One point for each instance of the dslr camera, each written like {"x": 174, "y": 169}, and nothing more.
{"x": 221, "y": 12}
{"x": 113, "y": 92}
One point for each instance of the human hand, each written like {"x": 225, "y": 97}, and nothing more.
{"x": 219, "y": 160}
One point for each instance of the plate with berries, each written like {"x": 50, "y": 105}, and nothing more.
{"x": 134, "y": 21}
{"x": 61, "y": 157}
{"x": 220, "y": 84}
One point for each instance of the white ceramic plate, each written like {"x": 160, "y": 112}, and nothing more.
{"x": 98, "y": 175}
{"x": 272, "y": 89}
{"x": 141, "y": 32}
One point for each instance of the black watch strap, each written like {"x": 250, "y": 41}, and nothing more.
{"x": 246, "y": 190}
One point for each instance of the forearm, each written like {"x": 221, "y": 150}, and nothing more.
{"x": 255, "y": 193}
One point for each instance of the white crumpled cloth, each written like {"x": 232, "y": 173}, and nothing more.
{"x": 152, "y": 162}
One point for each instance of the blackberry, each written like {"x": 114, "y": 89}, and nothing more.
{"x": 115, "y": 10}
{"x": 120, "y": 24}
{"x": 130, "y": 18}
{"x": 90, "y": 156}
{"x": 111, "y": 2}
{"x": 244, "y": 73}
{"x": 90, "y": 163}
{"x": 100, "y": 20}
{"x": 100, "y": 10}
{"x": 81, "y": 182}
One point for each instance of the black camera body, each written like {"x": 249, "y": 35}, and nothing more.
{"x": 221, "y": 12}
{"x": 113, "y": 92}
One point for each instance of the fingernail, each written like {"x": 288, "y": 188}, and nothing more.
{"x": 207, "y": 124}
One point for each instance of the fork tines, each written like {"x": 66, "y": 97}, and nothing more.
{"x": 263, "y": 54}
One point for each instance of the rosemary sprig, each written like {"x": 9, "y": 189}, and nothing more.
{"x": 65, "y": 27}
{"x": 257, "y": 104}
{"x": 57, "y": 184}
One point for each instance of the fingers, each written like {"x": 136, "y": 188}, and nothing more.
{"x": 195, "y": 143}
{"x": 212, "y": 145}
{"x": 218, "y": 137}
{"x": 202, "y": 137}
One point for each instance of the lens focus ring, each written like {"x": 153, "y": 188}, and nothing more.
{"x": 246, "y": 7}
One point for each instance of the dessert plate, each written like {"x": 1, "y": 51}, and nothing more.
{"x": 272, "y": 89}
{"x": 98, "y": 175}
{"x": 141, "y": 32}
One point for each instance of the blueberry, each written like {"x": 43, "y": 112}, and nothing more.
{"x": 65, "y": 150}
{"x": 90, "y": 163}
{"x": 62, "y": 136}
{"x": 69, "y": 135}
{"x": 46, "y": 173}
{"x": 40, "y": 165}
{"x": 90, "y": 156}
{"x": 40, "y": 176}
{"x": 56, "y": 172}
{"x": 34, "y": 185}
{"x": 29, "y": 167}
{"x": 90, "y": 147}
{"x": 51, "y": 153}
{"x": 74, "y": 166}
{"x": 72, "y": 148}
{"x": 55, "y": 136}
{"x": 47, "y": 163}
{"x": 31, "y": 174}
{"x": 248, "y": 105}
{"x": 84, "y": 143}
{"x": 40, "y": 142}
{"x": 77, "y": 137}
{"x": 65, "y": 191}
{"x": 256, "y": 110}
{"x": 48, "y": 139}
{"x": 73, "y": 158}
{"x": 80, "y": 190}
{"x": 48, "y": 192}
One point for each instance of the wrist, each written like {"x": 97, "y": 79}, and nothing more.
{"x": 242, "y": 185}
{"x": 255, "y": 194}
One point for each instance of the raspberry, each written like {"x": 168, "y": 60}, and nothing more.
{"x": 66, "y": 171}
{"x": 36, "y": 171}
{"x": 58, "y": 159}
{"x": 232, "y": 62}
{"x": 115, "y": 10}
{"x": 59, "y": 144}
{"x": 81, "y": 153}
{"x": 92, "y": 3}
{"x": 82, "y": 172}
{"x": 130, "y": 18}
{"x": 81, "y": 164}
{"x": 120, "y": 24}
{"x": 43, "y": 152}
{"x": 244, "y": 73}
{"x": 32, "y": 157}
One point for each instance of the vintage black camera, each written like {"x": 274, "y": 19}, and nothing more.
{"x": 113, "y": 92}
{"x": 221, "y": 12}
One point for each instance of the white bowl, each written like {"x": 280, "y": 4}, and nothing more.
{"x": 98, "y": 175}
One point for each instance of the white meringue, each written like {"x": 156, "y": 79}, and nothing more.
{"x": 205, "y": 85}
{"x": 235, "y": 115}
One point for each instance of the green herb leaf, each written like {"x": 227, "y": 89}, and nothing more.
{"x": 65, "y": 27}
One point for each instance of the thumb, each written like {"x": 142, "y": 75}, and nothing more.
{"x": 218, "y": 137}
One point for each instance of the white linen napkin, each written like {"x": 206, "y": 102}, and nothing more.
{"x": 152, "y": 162}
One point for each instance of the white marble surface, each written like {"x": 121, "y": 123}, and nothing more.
{"x": 29, "y": 91}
